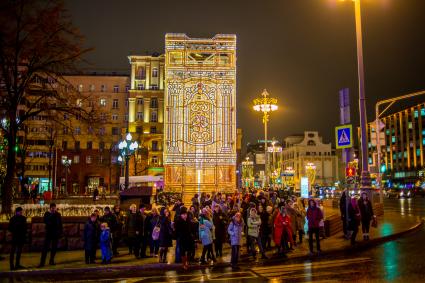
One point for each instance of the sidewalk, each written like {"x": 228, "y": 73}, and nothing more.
{"x": 390, "y": 226}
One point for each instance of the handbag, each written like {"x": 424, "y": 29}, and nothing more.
{"x": 155, "y": 231}
{"x": 374, "y": 222}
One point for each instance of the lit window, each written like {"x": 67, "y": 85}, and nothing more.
{"x": 154, "y": 160}
{"x": 103, "y": 102}
{"x": 393, "y": 139}
{"x": 91, "y": 87}
{"x": 115, "y": 104}
{"x": 80, "y": 88}
{"x": 76, "y": 159}
{"x": 155, "y": 72}
{"x": 79, "y": 102}
{"x": 154, "y": 117}
{"x": 154, "y": 102}
{"x": 410, "y": 125}
{"x": 88, "y": 159}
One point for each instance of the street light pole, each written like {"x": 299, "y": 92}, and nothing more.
{"x": 365, "y": 175}
{"x": 127, "y": 147}
{"x": 265, "y": 104}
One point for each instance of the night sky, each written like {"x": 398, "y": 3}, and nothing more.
{"x": 302, "y": 51}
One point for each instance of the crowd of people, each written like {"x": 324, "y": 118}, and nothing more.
{"x": 258, "y": 221}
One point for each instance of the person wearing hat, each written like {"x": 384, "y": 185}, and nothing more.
{"x": 18, "y": 228}
{"x": 184, "y": 236}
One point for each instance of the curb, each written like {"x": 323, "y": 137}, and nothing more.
{"x": 174, "y": 266}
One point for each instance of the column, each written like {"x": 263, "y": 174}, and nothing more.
{"x": 131, "y": 110}
{"x": 146, "y": 107}
{"x": 133, "y": 74}
{"x": 148, "y": 76}
{"x": 160, "y": 110}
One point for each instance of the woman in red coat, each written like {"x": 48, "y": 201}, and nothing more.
{"x": 282, "y": 233}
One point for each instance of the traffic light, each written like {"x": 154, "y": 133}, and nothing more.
{"x": 350, "y": 172}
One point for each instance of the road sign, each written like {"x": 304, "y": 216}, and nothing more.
{"x": 344, "y": 136}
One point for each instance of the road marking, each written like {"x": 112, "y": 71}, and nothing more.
{"x": 309, "y": 270}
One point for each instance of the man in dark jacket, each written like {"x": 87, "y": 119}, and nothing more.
{"x": 184, "y": 236}
{"x": 116, "y": 236}
{"x": 132, "y": 226}
{"x": 53, "y": 225}
{"x": 91, "y": 238}
{"x": 18, "y": 228}
{"x": 111, "y": 219}
{"x": 220, "y": 223}
{"x": 142, "y": 239}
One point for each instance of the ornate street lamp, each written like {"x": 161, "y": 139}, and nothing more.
{"x": 127, "y": 148}
{"x": 66, "y": 163}
{"x": 247, "y": 172}
{"x": 266, "y": 105}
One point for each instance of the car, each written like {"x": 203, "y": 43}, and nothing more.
{"x": 406, "y": 193}
{"x": 392, "y": 193}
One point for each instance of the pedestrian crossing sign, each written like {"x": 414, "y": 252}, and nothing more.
{"x": 344, "y": 136}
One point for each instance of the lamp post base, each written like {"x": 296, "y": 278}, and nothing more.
{"x": 366, "y": 185}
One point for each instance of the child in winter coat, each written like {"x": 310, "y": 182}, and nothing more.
{"x": 235, "y": 232}
{"x": 105, "y": 243}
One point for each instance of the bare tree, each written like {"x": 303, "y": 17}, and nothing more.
{"x": 37, "y": 38}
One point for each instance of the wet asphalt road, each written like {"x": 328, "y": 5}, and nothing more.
{"x": 402, "y": 260}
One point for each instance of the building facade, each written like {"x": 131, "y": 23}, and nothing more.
{"x": 146, "y": 112}
{"x": 91, "y": 147}
{"x": 299, "y": 151}
{"x": 200, "y": 114}
{"x": 402, "y": 160}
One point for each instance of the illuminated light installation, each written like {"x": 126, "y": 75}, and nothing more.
{"x": 200, "y": 117}
{"x": 310, "y": 170}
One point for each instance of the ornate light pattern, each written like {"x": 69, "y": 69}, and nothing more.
{"x": 200, "y": 118}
